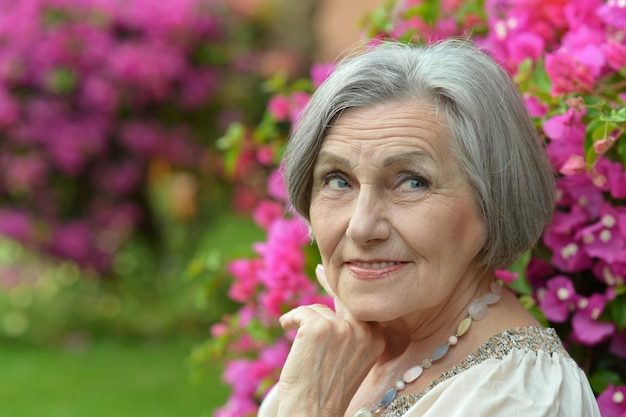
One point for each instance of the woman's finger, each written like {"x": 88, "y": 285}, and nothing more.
{"x": 294, "y": 319}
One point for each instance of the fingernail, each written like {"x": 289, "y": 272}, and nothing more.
{"x": 319, "y": 267}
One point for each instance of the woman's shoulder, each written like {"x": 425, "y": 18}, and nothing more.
{"x": 531, "y": 339}
{"x": 513, "y": 348}
{"x": 524, "y": 364}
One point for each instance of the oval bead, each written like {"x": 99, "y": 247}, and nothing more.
{"x": 363, "y": 412}
{"x": 440, "y": 352}
{"x": 495, "y": 288}
{"x": 478, "y": 309}
{"x": 412, "y": 374}
{"x": 388, "y": 397}
{"x": 463, "y": 326}
{"x": 491, "y": 298}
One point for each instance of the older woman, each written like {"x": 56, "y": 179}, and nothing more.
{"x": 421, "y": 173}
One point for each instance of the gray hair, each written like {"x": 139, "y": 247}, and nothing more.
{"x": 494, "y": 139}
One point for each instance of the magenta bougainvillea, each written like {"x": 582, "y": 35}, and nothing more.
{"x": 90, "y": 92}
{"x": 568, "y": 59}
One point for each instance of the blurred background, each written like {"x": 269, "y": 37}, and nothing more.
{"x": 118, "y": 210}
{"x": 146, "y": 245}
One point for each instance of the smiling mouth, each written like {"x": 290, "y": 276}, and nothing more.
{"x": 375, "y": 265}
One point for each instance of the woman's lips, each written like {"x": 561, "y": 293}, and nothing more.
{"x": 374, "y": 269}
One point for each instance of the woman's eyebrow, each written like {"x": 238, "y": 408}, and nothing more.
{"x": 326, "y": 157}
{"x": 408, "y": 157}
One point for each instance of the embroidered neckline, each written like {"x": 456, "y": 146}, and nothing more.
{"x": 529, "y": 339}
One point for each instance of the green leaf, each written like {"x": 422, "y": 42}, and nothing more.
{"x": 521, "y": 285}
{"x": 597, "y": 129}
{"x": 621, "y": 150}
{"x": 591, "y": 157}
{"x": 619, "y": 289}
{"x": 302, "y": 84}
{"x": 266, "y": 130}
{"x": 617, "y": 311}
{"x": 233, "y": 137}
{"x": 259, "y": 331}
{"x": 62, "y": 80}
{"x": 231, "y": 156}
{"x": 602, "y": 378}
{"x": 428, "y": 10}
{"x": 603, "y": 131}
{"x": 276, "y": 85}
{"x": 541, "y": 79}
{"x": 618, "y": 116}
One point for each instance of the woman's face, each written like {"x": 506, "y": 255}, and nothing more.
{"x": 393, "y": 214}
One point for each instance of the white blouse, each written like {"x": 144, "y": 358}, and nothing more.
{"x": 523, "y": 372}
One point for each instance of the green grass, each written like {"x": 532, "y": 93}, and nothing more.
{"x": 105, "y": 380}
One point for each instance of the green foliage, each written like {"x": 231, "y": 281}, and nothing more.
{"x": 106, "y": 379}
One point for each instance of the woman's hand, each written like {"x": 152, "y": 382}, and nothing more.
{"x": 331, "y": 355}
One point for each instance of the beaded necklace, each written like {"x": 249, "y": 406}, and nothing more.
{"x": 477, "y": 310}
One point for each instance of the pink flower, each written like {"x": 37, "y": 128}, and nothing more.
{"x": 238, "y": 406}
{"x": 618, "y": 344}
{"x": 613, "y": 14}
{"x": 567, "y": 127}
{"x": 245, "y": 272}
{"x": 266, "y": 212}
{"x": 276, "y": 185}
{"x": 524, "y": 45}
{"x": 141, "y": 137}
{"x": 279, "y": 107}
{"x": 73, "y": 240}
{"x": 567, "y": 74}
{"x": 275, "y": 356}
{"x": 575, "y": 164}
{"x": 538, "y": 271}
{"x": 506, "y": 276}
{"x": 24, "y": 172}
{"x": 99, "y": 93}
{"x": 567, "y": 134}
{"x": 613, "y": 177}
{"x": 579, "y": 191}
{"x": 601, "y": 146}
{"x": 265, "y": 155}
{"x": 567, "y": 250}
{"x": 535, "y": 107}
{"x": 120, "y": 179}
{"x": 615, "y": 54}
{"x": 612, "y": 402}
{"x": 567, "y": 254}
{"x": 299, "y": 100}
{"x": 218, "y": 330}
{"x": 611, "y": 274}
{"x": 17, "y": 225}
{"x": 9, "y": 110}
{"x": 583, "y": 44}
{"x": 582, "y": 12}
{"x": 320, "y": 72}
{"x": 558, "y": 299}
{"x": 586, "y": 328}
{"x": 603, "y": 239}
{"x": 275, "y": 301}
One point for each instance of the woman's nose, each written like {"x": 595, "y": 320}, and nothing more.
{"x": 368, "y": 223}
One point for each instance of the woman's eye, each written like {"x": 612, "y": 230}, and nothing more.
{"x": 413, "y": 182}
{"x": 336, "y": 182}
